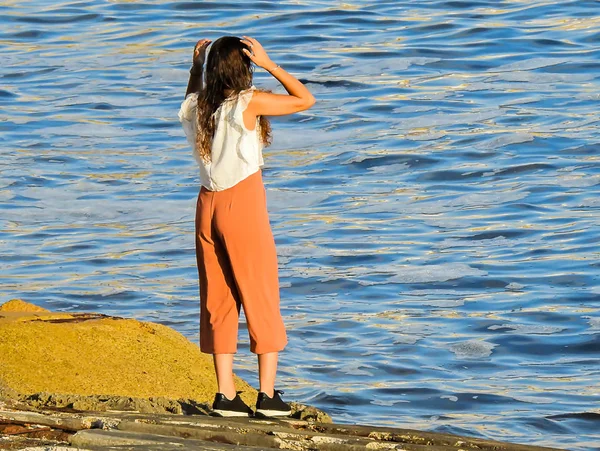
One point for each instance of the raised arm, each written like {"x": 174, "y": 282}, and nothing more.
{"x": 298, "y": 98}
{"x": 195, "y": 81}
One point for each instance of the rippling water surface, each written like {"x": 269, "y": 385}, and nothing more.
{"x": 436, "y": 213}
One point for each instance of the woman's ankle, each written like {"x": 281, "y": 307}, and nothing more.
{"x": 267, "y": 371}
{"x": 224, "y": 372}
{"x": 228, "y": 393}
{"x": 268, "y": 391}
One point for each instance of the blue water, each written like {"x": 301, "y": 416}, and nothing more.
{"x": 437, "y": 212}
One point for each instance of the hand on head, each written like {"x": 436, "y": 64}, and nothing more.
{"x": 256, "y": 53}
{"x": 200, "y": 51}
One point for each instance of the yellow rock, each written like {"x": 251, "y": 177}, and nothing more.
{"x": 93, "y": 354}
{"x": 17, "y": 305}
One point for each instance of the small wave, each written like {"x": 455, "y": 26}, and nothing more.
{"x": 7, "y": 94}
{"x": 529, "y": 64}
{"x": 587, "y": 416}
{"x": 472, "y": 349}
{"x": 435, "y": 273}
{"x": 58, "y": 19}
{"x": 537, "y": 329}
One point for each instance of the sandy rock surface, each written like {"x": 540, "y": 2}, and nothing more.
{"x": 17, "y": 305}
{"x": 94, "y": 355}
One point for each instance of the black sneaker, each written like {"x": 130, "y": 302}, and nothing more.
{"x": 272, "y": 407}
{"x": 223, "y": 407}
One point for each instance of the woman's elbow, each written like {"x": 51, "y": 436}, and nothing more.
{"x": 308, "y": 102}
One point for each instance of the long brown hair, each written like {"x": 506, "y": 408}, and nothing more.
{"x": 227, "y": 68}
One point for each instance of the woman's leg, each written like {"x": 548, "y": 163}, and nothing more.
{"x": 219, "y": 300}
{"x": 227, "y": 402}
{"x": 246, "y": 234}
{"x": 224, "y": 372}
{"x": 268, "y": 402}
{"x": 267, "y": 370}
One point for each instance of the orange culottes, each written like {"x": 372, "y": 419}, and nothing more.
{"x": 237, "y": 267}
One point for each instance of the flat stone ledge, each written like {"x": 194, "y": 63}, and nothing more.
{"x": 116, "y": 439}
{"x": 126, "y": 430}
{"x": 53, "y": 448}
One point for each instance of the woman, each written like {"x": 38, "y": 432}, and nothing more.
{"x": 225, "y": 122}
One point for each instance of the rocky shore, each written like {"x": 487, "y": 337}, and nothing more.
{"x": 94, "y": 382}
{"x": 63, "y": 430}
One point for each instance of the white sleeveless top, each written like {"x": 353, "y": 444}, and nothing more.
{"x": 236, "y": 151}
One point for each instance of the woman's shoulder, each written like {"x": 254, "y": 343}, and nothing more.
{"x": 190, "y": 100}
{"x": 240, "y": 94}
{"x": 237, "y": 102}
{"x": 191, "y": 96}
{"x": 244, "y": 97}
{"x": 188, "y": 107}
